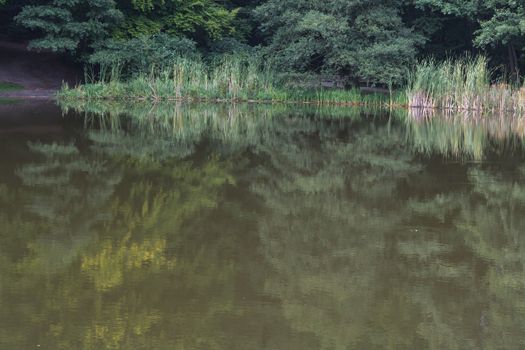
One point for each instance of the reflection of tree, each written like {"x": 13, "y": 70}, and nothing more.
{"x": 491, "y": 223}
{"x": 324, "y": 235}
{"x": 337, "y": 235}
{"x": 67, "y": 196}
{"x": 480, "y": 255}
{"x": 129, "y": 242}
{"x": 362, "y": 261}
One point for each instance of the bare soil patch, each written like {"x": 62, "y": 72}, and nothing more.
{"x": 40, "y": 74}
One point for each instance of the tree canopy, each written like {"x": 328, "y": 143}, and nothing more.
{"x": 372, "y": 41}
{"x": 366, "y": 39}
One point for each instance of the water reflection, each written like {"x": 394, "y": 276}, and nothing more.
{"x": 465, "y": 135}
{"x": 254, "y": 227}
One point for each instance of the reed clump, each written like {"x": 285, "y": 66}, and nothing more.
{"x": 465, "y": 84}
{"x": 232, "y": 79}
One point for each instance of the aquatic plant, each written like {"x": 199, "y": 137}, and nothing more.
{"x": 234, "y": 78}
{"x": 465, "y": 84}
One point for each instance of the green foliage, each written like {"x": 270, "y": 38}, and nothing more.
{"x": 500, "y": 21}
{"x": 232, "y": 78}
{"x": 498, "y": 24}
{"x": 70, "y": 25}
{"x": 143, "y": 54}
{"x": 79, "y": 26}
{"x": 467, "y": 8}
{"x": 504, "y": 24}
{"x": 229, "y": 46}
{"x": 365, "y": 41}
{"x": 201, "y": 20}
{"x": 463, "y": 84}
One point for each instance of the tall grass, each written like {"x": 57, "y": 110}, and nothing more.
{"x": 234, "y": 78}
{"x": 462, "y": 84}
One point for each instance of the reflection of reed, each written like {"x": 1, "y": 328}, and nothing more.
{"x": 179, "y": 126}
{"x": 244, "y": 123}
{"x": 180, "y": 123}
{"x": 496, "y": 99}
{"x": 467, "y": 134}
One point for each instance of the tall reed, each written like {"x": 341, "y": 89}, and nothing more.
{"x": 462, "y": 84}
{"x": 234, "y": 78}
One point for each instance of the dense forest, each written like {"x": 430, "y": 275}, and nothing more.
{"x": 359, "y": 41}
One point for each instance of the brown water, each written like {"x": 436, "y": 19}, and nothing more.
{"x": 214, "y": 227}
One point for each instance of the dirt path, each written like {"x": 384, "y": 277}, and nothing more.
{"x": 41, "y": 74}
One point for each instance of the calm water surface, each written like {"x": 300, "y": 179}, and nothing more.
{"x": 244, "y": 227}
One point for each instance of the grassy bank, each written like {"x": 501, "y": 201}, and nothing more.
{"x": 463, "y": 85}
{"x": 234, "y": 79}
{"x": 453, "y": 85}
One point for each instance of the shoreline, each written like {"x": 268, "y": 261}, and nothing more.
{"x": 30, "y": 94}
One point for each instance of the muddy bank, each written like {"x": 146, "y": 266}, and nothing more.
{"x": 40, "y": 73}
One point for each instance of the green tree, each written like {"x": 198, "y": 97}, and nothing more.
{"x": 499, "y": 25}
{"x": 504, "y": 25}
{"x": 79, "y": 27}
{"x": 200, "y": 20}
{"x": 364, "y": 40}
{"x": 143, "y": 54}
{"x": 71, "y": 26}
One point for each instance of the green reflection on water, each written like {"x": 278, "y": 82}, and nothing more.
{"x": 465, "y": 135}
{"x": 94, "y": 235}
{"x": 453, "y": 135}
{"x": 254, "y": 227}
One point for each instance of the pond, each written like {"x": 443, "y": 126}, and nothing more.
{"x": 259, "y": 227}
